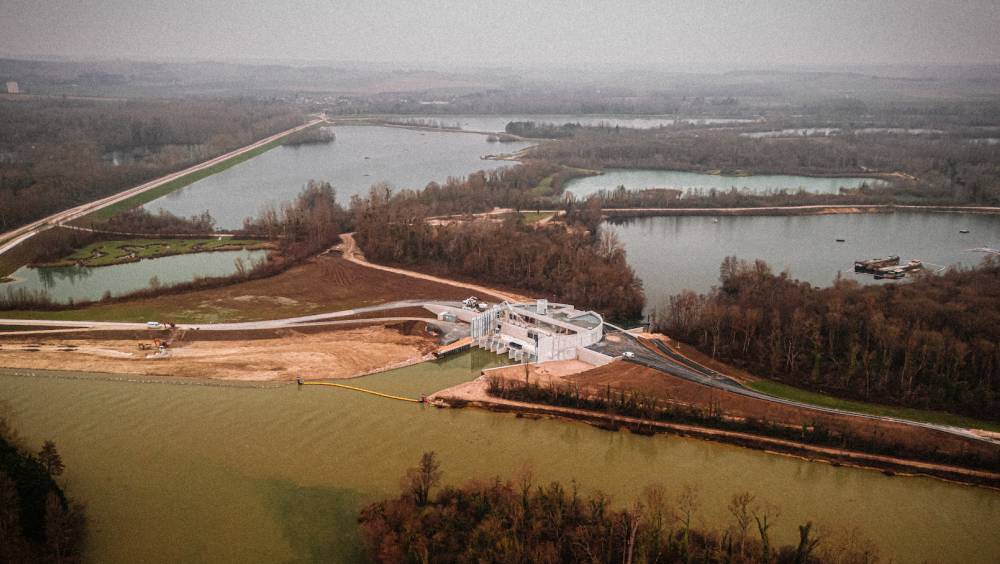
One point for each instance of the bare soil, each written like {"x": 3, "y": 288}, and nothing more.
{"x": 282, "y": 354}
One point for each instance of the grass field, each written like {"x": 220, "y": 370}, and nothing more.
{"x": 106, "y": 253}
{"x": 823, "y": 400}
{"x": 535, "y": 217}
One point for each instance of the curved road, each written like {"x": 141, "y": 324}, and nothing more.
{"x": 665, "y": 359}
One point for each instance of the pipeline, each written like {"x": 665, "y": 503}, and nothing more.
{"x": 356, "y": 389}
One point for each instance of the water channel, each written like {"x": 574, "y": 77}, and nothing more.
{"x": 77, "y": 283}
{"x": 211, "y": 473}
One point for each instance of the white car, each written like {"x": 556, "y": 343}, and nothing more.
{"x": 153, "y": 324}
{"x": 628, "y": 354}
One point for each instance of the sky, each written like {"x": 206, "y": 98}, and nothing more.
{"x": 513, "y": 33}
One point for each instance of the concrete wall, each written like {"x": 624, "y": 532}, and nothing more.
{"x": 592, "y": 357}
{"x": 460, "y": 313}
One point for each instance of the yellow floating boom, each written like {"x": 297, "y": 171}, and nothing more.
{"x": 356, "y": 389}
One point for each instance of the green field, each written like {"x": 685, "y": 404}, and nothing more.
{"x": 535, "y": 217}
{"x": 106, "y": 253}
{"x": 823, "y": 400}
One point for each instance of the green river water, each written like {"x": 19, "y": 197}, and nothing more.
{"x": 200, "y": 472}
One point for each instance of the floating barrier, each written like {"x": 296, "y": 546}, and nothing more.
{"x": 356, "y": 389}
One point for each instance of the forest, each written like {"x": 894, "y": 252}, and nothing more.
{"x": 521, "y": 521}
{"x": 38, "y": 521}
{"x": 55, "y": 154}
{"x": 939, "y": 169}
{"x": 577, "y": 265}
{"x": 933, "y": 343}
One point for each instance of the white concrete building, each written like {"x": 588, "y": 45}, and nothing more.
{"x": 537, "y": 332}
{"x": 13, "y": 88}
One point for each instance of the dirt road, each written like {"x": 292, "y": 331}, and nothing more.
{"x": 350, "y": 251}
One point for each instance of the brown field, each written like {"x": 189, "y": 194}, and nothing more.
{"x": 633, "y": 377}
{"x": 325, "y": 283}
{"x": 280, "y": 354}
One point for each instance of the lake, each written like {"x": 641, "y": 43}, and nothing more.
{"x": 758, "y": 183}
{"x": 75, "y": 283}
{"x": 360, "y": 156}
{"x": 499, "y": 122}
{"x": 177, "y": 471}
{"x": 671, "y": 254}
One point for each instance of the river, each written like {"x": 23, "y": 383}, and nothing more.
{"x": 77, "y": 283}
{"x": 671, "y": 254}
{"x": 359, "y": 157}
{"x": 759, "y": 183}
{"x": 212, "y": 473}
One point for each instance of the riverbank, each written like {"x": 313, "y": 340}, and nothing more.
{"x": 474, "y": 394}
{"x": 796, "y": 210}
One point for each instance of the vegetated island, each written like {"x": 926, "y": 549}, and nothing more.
{"x": 39, "y": 522}
{"x": 108, "y": 253}
{"x": 520, "y": 520}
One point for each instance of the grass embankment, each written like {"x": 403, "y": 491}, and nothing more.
{"x": 106, "y": 253}
{"x": 182, "y": 181}
{"x": 925, "y": 415}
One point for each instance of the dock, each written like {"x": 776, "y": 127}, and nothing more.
{"x": 452, "y": 348}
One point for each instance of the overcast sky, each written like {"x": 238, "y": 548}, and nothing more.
{"x": 660, "y": 33}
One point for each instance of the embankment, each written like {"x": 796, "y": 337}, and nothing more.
{"x": 474, "y": 394}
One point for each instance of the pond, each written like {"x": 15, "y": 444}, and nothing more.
{"x": 639, "y": 179}
{"x": 360, "y": 156}
{"x": 671, "y": 254}
{"x": 211, "y": 473}
{"x": 75, "y": 283}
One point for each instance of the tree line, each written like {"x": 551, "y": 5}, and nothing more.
{"x": 943, "y": 168}
{"x": 933, "y": 343}
{"x": 520, "y": 521}
{"x": 38, "y": 521}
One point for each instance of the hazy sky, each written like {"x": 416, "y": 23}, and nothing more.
{"x": 511, "y": 33}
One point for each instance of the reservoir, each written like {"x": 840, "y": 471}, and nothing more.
{"x": 359, "y": 157}
{"x": 277, "y": 473}
{"x": 76, "y": 283}
{"x": 497, "y": 123}
{"x": 671, "y": 254}
{"x": 687, "y": 181}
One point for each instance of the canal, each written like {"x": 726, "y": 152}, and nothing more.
{"x": 196, "y": 471}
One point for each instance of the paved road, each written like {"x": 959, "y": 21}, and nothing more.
{"x": 17, "y": 236}
{"x": 334, "y": 317}
{"x": 665, "y": 359}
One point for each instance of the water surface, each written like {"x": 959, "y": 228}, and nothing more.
{"x": 203, "y": 473}
{"x": 360, "y": 156}
{"x": 497, "y": 123}
{"x": 671, "y": 254}
{"x": 639, "y": 179}
{"x": 77, "y": 283}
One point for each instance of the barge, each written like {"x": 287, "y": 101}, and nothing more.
{"x": 871, "y": 266}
